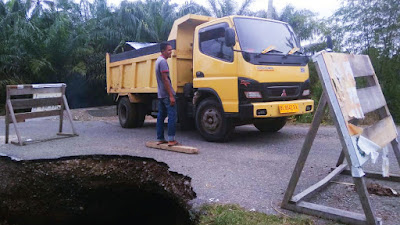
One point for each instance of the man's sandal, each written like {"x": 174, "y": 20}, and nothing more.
{"x": 161, "y": 142}
{"x": 172, "y": 143}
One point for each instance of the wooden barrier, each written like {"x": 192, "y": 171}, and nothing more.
{"x": 348, "y": 104}
{"x": 13, "y": 103}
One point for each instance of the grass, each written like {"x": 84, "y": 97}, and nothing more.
{"x": 216, "y": 214}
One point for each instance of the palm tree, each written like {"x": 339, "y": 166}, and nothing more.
{"x": 145, "y": 21}
{"x": 37, "y": 7}
{"x": 227, "y": 7}
{"x": 192, "y": 7}
{"x": 157, "y": 17}
{"x": 302, "y": 21}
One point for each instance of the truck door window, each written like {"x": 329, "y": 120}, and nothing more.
{"x": 212, "y": 42}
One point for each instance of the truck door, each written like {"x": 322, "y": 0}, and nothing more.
{"x": 212, "y": 58}
{"x": 214, "y": 65}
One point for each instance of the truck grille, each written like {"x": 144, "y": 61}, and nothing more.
{"x": 271, "y": 91}
{"x": 283, "y": 91}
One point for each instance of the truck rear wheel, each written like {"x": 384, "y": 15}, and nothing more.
{"x": 270, "y": 124}
{"x": 131, "y": 115}
{"x": 211, "y": 121}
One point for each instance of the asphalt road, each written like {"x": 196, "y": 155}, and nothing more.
{"x": 252, "y": 170}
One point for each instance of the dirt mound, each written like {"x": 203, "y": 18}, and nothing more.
{"x": 105, "y": 113}
{"x": 95, "y": 189}
{"x": 377, "y": 189}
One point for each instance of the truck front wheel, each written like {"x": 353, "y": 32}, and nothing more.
{"x": 211, "y": 121}
{"x": 131, "y": 115}
{"x": 270, "y": 124}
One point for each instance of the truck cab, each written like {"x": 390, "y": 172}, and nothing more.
{"x": 253, "y": 69}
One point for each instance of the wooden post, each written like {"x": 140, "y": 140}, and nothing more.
{"x": 14, "y": 120}
{"x": 364, "y": 199}
{"x": 341, "y": 159}
{"x": 342, "y": 155}
{"x": 60, "y": 129}
{"x": 7, "y": 117}
{"x": 396, "y": 150}
{"x": 319, "y": 114}
{"x": 69, "y": 115}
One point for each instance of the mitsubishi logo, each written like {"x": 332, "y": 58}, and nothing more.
{"x": 283, "y": 93}
{"x": 244, "y": 82}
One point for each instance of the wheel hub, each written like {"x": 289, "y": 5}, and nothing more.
{"x": 211, "y": 119}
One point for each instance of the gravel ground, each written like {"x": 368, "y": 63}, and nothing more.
{"x": 252, "y": 170}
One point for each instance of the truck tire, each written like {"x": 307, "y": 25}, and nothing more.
{"x": 211, "y": 121}
{"x": 131, "y": 115}
{"x": 270, "y": 124}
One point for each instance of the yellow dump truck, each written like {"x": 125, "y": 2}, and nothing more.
{"x": 226, "y": 72}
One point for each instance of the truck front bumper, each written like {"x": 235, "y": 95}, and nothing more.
{"x": 271, "y": 109}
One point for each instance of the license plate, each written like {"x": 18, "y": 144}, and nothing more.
{"x": 288, "y": 108}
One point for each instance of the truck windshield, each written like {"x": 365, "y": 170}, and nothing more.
{"x": 255, "y": 35}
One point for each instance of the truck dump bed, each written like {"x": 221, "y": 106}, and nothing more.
{"x": 134, "y": 71}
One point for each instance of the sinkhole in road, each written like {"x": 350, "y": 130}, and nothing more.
{"x": 93, "y": 190}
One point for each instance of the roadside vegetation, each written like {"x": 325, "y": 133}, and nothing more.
{"x": 65, "y": 41}
{"x": 235, "y": 215}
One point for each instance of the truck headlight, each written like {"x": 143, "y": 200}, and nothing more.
{"x": 253, "y": 94}
{"x": 306, "y": 92}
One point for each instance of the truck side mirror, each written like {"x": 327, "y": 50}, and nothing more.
{"x": 230, "y": 38}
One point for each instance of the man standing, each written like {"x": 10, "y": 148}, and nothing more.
{"x": 166, "y": 97}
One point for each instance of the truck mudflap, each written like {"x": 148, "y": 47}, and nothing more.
{"x": 275, "y": 109}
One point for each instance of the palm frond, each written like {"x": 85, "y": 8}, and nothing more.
{"x": 192, "y": 8}
{"x": 216, "y": 11}
{"x": 244, "y": 8}
{"x": 227, "y": 7}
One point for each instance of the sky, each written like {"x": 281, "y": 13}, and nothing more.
{"x": 324, "y": 8}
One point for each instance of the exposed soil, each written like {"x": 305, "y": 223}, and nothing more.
{"x": 96, "y": 189}
{"x": 377, "y": 189}
{"x": 104, "y": 113}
